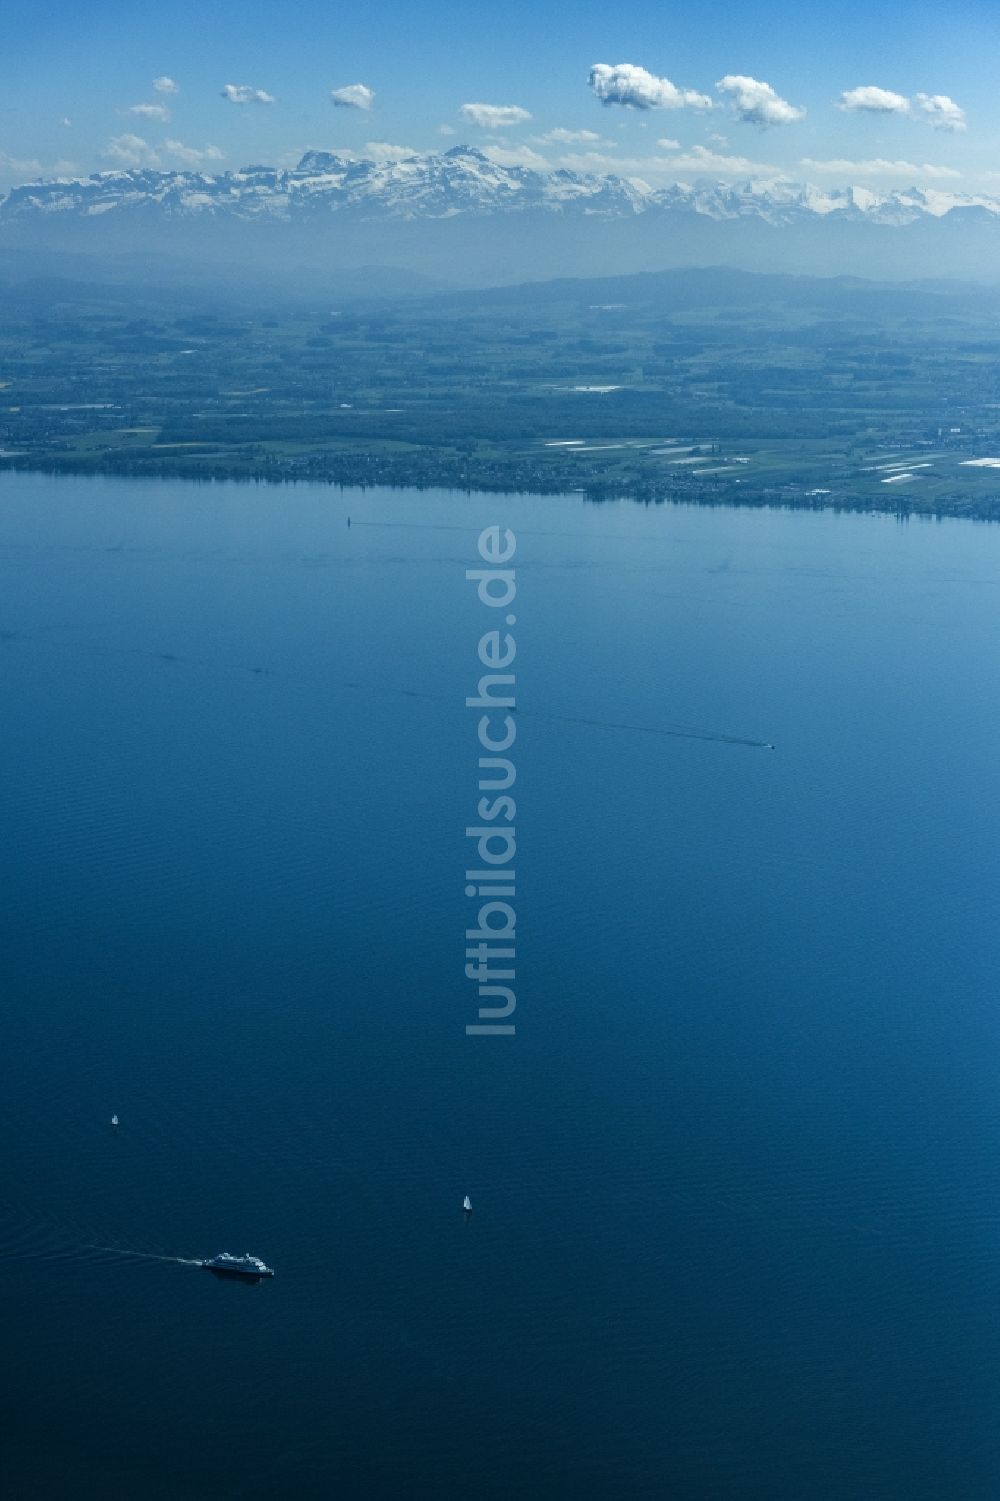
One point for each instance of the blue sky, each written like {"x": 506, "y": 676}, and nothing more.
{"x": 78, "y": 93}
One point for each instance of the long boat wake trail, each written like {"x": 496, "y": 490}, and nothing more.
{"x": 29, "y": 1234}
{"x": 671, "y": 731}
{"x": 676, "y": 732}
{"x": 148, "y": 1255}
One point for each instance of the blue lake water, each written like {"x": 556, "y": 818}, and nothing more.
{"x": 736, "y": 1228}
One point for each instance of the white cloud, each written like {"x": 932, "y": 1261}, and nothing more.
{"x": 697, "y": 160}
{"x": 701, "y": 159}
{"x": 756, "y": 103}
{"x": 877, "y": 167}
{"x": 165, "y": 85}
{"x": 446, "y": 130}
{"x": 67, "y": 122}
{"x": 149, "y": 111}
{"x": 599, "y": 163}
{"x": 353, "y": 96}
{"x": 130, "y": 151}
{"x": 636, "y": 88}
{"x": 941, "y": 112}
{"x": 190, "y": 155}
{"x": 562, "y": 137}
{"x": 666, "y": 143}
{"x": 20, "y": 168}
{"x": 243, "y": 93}
{"x": 517, "y": 156}
{"x": 870, "y": 99}
{"x": 494, "y": 116}
{"x": 935, "y": 109}
{"x": 382, "y": 151}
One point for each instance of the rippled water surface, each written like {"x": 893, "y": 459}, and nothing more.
{"x": 736, "y": 1229}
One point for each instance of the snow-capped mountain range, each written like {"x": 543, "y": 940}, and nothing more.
{"x": 459, "y": 182}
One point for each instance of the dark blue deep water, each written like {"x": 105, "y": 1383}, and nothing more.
{"x": 736, "y": 1178}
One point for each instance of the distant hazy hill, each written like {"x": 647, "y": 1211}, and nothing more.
{"x": 721, "y": 288}
{"x": 460, "y": 218}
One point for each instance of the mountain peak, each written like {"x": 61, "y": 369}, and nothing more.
{"x": 319, "y": 161}
{"x": 456, "y": 152}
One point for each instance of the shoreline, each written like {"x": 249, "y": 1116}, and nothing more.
{"x": 370, "y": 472}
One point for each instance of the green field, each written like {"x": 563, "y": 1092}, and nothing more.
{"x": 710, "y": 387}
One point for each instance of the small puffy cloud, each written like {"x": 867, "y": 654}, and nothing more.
{"x": 561, "y": 137}
{"x": 667, "y": 143}
{"x": 243, "y": 93}
{"x": 756, "y": 103}
{"x": 636, "y": 88}
{"x": 517, "y": 156}
{"x": 353, "y": 96}
{"x": 165, "y": 85}
{"x": 190, "y": 156}
{"x": 599, "y": 163}
{"x": 701, "y": 159}
{"x": 494, "y": 116}
{"x": 67, "y": 122}
{"x": 446, "y": 130}
{"x": 869, "y": 99}
{"x": 383, "y": 151}
{"x": 149, "y": 111}
{"x": 877, "y": 167}
{"x": 19, "y": 168}
{"x": 697, "y": 160}
{"x": 130, "y": 151}
{"x": 941, "y": 112}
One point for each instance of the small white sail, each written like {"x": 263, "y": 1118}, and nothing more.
{"x": 467, "y": 1204}
{"x": 114, "y": 1120}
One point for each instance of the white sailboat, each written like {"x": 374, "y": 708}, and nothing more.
{"x": 467, "y": 1204}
